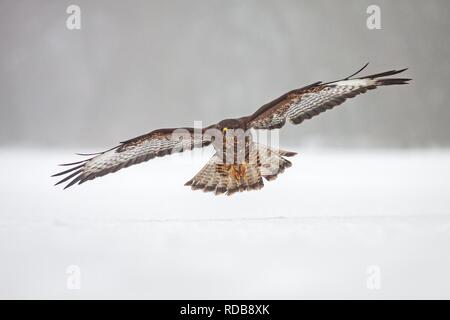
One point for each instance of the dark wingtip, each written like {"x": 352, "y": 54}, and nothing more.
{"x": 69, "y": 177}
{"x": 68, "y": 186}
{"x": 384, "y": 74}
{"x": 72, "y": 183}
{"x": 72, "y": 163}
{"x": 67, "y": 171}
{"x": 393, "y": 81}
{"x": 355, "y": 73}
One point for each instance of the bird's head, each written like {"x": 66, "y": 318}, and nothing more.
{"x": 228, "y": 124}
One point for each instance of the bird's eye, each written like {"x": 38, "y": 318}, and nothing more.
{"x": 225, "y": 129}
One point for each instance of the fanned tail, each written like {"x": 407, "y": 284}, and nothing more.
{"x": 223, "y": 178}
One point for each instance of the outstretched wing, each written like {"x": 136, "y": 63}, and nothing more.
{"x": 157, "y": 143}
{"x": 307, "y": 102}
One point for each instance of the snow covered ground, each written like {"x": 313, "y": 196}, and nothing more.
{"x": 338, "y": 224}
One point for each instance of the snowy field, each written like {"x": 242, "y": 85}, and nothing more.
{"x": 338, "y": 224}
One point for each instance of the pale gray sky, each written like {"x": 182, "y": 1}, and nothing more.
{"x": 136, "y": 66}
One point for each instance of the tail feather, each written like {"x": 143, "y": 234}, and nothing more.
{"x": 232, "y": 186}
{"x": 273, "y": 163}
{"x": 222, "y": 178}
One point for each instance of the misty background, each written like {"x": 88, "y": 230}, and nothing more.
{"x": 367, "y": 191}
{"x": 136, "y": 66}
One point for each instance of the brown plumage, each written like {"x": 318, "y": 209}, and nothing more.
{"x": 239, "y": 163}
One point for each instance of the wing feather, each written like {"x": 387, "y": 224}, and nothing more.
{"x": 307, "y": 102}
{"x": 157, "y": 143}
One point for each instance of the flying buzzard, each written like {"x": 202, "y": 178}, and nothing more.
{"x": 239, "y": 162}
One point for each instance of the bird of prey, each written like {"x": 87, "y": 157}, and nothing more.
{"x": 239, "y": 162}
